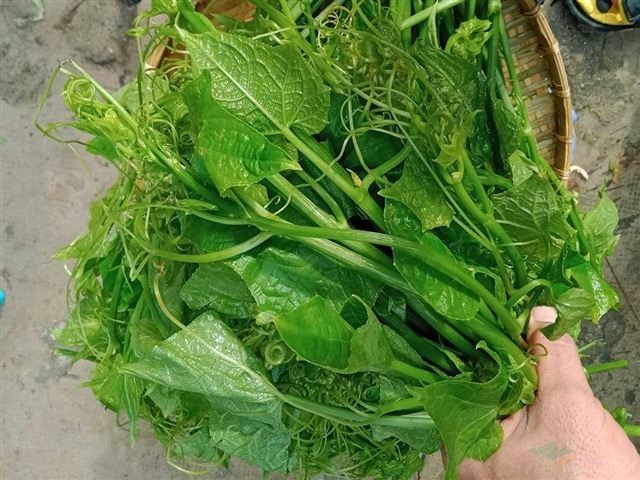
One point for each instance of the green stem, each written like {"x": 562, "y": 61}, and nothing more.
{"x": 404, "y": 12}
{"x": 209, "y": 257}
{"x": 414, "y": 372}
{"x": 442, "y": 326}
{"x": 522, "y": 292}
{"x": 321, "y": 218}
{"x": 336, "y": 210}
{"x": 470, "y": 173}
{"x": 470, "y": 9}
{"x": 322, "y": 159}
{"x": 494, "y": 227}
{"x": 321, "y": 16}
{"x": 419, "y": 17}
{"x": 166, "y": 329}
{"x": 490, "y": 179}
{"x": 284, "y": 5}
{"x": 393, "y": 8}
{"x": 486, "y": 312}
{"x": 113, "y": 310}
{"x": 266, "y": 220}
{"x": 606, "y": 366}
{"x": 163, "y": 307}
{"x": 432, "y": 259}
{"x": 349, "y": 417}
{"x": 385, "y": 167}
{"x": 632, "y": 430}
{"x": 574, "y": 215}
{"x": 492, "y": 47}
{"x": 399, "y": 405}
{"x": 198, "y": 22}
{"x": 449, "y": 27}
{"x": 494, "y": 337}
{"x": 424, "y": 347}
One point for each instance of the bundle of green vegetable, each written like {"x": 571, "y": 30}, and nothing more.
{"x": 330, "y": 227}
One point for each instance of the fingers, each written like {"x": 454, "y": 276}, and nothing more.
{"x": 510, "y": 423}
{"x": 559, "y": 368}
{"x": 471, "y": 469}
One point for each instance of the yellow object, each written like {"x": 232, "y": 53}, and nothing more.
{"x": 615, "y": 16}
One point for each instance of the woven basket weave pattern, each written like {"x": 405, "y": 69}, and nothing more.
{"x": 543, "y": 81}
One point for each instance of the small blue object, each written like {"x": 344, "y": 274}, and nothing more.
{"x": 1, "y": 297}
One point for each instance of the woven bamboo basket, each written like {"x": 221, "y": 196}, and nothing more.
{"x": 543, "y": 79}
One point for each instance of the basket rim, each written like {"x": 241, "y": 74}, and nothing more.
{"x": 550, "y": 50}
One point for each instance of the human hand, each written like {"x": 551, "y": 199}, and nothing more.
{"x": 566, "y": 433}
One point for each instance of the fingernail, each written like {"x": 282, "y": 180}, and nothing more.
{"x": 546, "y": 315}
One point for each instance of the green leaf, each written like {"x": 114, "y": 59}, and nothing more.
{"x": 535, "y": 219}
{"x": 401, "y": 348}
{"x": 168, "y": 7}
{"x": 465, "y": 413}
{"x": 592, "y": 281}
{"x": 213, "y": 237}
{"x": 167, "y": 400}
{"x": 425, "y": 440}
{"x": 207, "y": 358}
{"x": 146, "y": 334}
{"x": 573, "y": 305}
{"x": 418, "y": 190}
{"x": 375, "y": 149}
{"x": 370, "y": 347}
{"x": 229, "y": 151}
{"x": 509, "y": 129}
{"x": 85, "y": 328}
{"x": 486, "y": 446}
{"x": 521, "y": 167}
{"x": 319, "y": 335}
{"x": 354, "y": 312}
{"x": 270, "y": 88}
{"x": 199, "y": 446}
{"x": 258, "y": 192}
{"x": 620, "y": 415}
{"x": 337, "y": 127}
{"x": 99, "y": 239}
{"x": 599, "y": 225}
{"x": 287, "y": 275}
{"x": 104, "y": 147}
{"x": 445, "y": 295}
{"x": 464, "y": 87}
{"x": 118, "y": 391}
{"x": 266, "y": 446}
{"x": 218, "y": 286}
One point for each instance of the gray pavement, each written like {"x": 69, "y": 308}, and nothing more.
{"x": 52, "y": 429}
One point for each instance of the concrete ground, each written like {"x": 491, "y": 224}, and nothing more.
{"x": 51, "y": 428}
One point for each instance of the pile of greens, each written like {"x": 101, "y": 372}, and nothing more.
{"x": 330, "y": 226}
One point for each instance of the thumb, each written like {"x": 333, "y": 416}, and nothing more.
{"x": 559, "y": 364}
